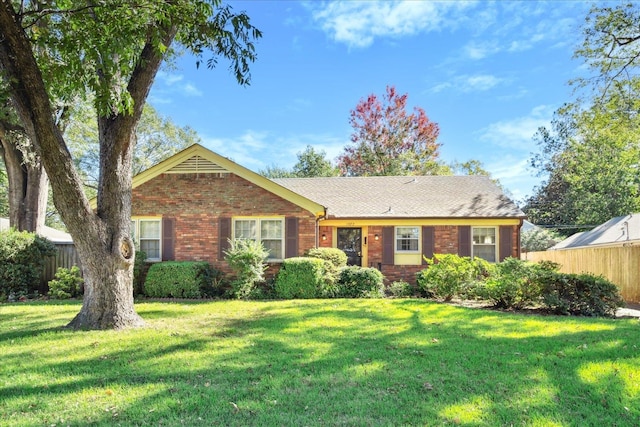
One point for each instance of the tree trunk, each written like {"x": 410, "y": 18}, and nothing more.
{"x": 28, "y": 187}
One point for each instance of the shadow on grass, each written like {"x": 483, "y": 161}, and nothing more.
{"x": 339, "y": 362}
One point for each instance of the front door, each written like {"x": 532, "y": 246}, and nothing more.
{"x": 350, "y": 241}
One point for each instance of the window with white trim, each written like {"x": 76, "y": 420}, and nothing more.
{"x": 269, "y": 231}
{"x": 484, "y": 243}
{"x": 407, "y": 239}
{"x": 146, "y": 234}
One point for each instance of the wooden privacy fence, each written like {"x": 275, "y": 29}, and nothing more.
{"x": 621, "y": 265}
{"x": 66, "y": 256}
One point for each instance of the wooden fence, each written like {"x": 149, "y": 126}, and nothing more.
{"x": 66, "y": 256}
{"x": 621, "y": 265}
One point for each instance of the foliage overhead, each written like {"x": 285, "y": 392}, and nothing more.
{"x": 311, "y": 164}
{"x": 387, "y": 140}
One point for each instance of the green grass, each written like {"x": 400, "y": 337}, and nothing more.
{"x": 318, "y": 362}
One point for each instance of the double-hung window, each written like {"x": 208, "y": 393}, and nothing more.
{"x": 146, "y": 235}
{"x": 407, "y": 239}
{"x": 484, "y": 243}
{"x": 269, "y": 231}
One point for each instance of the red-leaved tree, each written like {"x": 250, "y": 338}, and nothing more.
{"x": 387, "y": 140}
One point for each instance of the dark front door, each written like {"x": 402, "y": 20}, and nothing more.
{"x": 350, "y": 241}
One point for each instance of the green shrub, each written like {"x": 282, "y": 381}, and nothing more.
{"x": 177, "y": 279}
{"x": 247, "y": 259}
{"x": 360, "y": 282}
{"x": 22, "y": 257}
{"x": 140, "y": 269}
{"x": 300, "y": 277}
{"x": 335, "y": 256}
{"x": 516, "y": 283}
{"x": 67, "y": 283}
{"x": 581, "y": 295}
{"x": 400, "y": 289}
{"x": 450, "y": 275}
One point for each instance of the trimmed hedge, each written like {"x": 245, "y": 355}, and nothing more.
{"x": 178, "y": 279}
{"x": 450, "y": 275}
{"x": 335, "y": 256}
{"x": 67, "y": 283}
{"x": 300, "y": 277}
{"x": 22, "y": 257}
{"x": 360, "y": 282}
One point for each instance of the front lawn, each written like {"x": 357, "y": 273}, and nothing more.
{"x": 318, "y": 362}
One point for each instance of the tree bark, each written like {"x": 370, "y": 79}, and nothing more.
{"x": 102, "y": 237}
{"x": 28, "y": 187}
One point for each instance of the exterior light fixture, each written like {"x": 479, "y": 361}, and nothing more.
{"x": 324, "y": 236}
{"x": 376, "y": 237}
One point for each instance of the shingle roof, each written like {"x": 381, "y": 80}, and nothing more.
{"x": 616, "y": 231}
{"x": 406, "y": 196}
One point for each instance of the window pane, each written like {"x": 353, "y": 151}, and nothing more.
{"x": 274, "y": 247}
{"x": 271, "y": 229}
{"x": 484, "y": 236}
{"x": 245, "y": 229}
{"x": 151, "y": 248}
{"x": 407, "y": 239}
{"x": 149, "y": 229}
{"x": 486, "y": 252}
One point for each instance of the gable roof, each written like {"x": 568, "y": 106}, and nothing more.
{"x": 198, "y": 159}
{"x": 616, "y": 231}
{"x": 406, "y": 196}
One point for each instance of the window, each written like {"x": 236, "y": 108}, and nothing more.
{"x": 407, "y": 239}
{"x": 484, "y": 243}
{"x": 146, "y": 235}
{"x": 269, "y": 231}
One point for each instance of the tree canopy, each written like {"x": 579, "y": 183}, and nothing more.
{"x": 388, "y": 140}
{"x": 52, "y": 53}
{"x": 310, "y": 164}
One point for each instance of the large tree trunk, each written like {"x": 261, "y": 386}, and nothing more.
{"x": 101, "y": 238}
{"x": 28, "y": 187}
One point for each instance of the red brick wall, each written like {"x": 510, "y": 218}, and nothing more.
{"x": 197, "y": 201}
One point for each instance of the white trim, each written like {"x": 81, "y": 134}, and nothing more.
{"x": 418, "y": 238}
{"x": 495, "y": 243}
{"x": 258, "y": 220}
{"x": 136, "y": 234}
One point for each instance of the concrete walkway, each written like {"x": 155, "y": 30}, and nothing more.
{"x": 631, "y": 310}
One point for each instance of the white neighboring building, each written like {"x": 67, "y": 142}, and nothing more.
{"x": 55, "y": 236}
{"x": 618, "y": 231}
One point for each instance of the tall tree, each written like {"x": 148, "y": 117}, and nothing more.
{"x": 114, "y": 49}
{"x": 311, "y": 163}
{"x": 387, "y": 140}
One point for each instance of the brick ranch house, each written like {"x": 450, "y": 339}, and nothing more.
{"x": 188, "y": 206}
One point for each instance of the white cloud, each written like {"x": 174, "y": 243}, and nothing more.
{"x": 358, "y": 24}
{"x": 515, "y": 175}
{"x": 169, "y": 85}
{"x": 469, "y": 83}
{"x": 517, "y": 133}
{"x": 252, "y": 148}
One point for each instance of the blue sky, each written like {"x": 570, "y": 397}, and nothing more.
{"x": 489, "y": 73}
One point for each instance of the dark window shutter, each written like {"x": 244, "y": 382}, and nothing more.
{"x": 388, "y": 242}
{"x": 428, "y": 242}
{"x": 506, "y": 242}
{"x": 464, "y": 240}
{"x": 224, "y": 234}
{"x": 168, "y": 239}
{"x": 291, "y": 237}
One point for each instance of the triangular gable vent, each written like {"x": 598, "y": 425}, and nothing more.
{"x": 197, "y": 164}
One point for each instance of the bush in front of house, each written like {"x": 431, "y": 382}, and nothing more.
{"x": 334, "y": 260}
{"x": 66, "y": 284}
{"x": 516, "y": 283}
{"x": 22, "y": 257}
{"x": 360, "y": 282}
{"x": 300, "y": 277}
{"x": 140, "y": 269}
{"x": 177, "y": 279}
{"x": 247, "y": 259}
{"x": 400, "y": 289}
{"x": 580, "y": 295}
{"x": 450, "y": 275}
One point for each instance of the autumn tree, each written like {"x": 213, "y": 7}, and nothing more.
{"x": 114, "y": 50}
{"x": 388, "y": 140}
